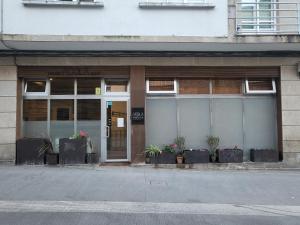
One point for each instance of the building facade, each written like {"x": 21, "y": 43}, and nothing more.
{"x": 135, "y": 73}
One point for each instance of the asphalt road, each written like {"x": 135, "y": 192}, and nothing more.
{"x": 125, "y": 195}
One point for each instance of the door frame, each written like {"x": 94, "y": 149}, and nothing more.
{"x": 103, "y": 157}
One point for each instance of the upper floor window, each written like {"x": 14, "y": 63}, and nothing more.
{"x": 267, "y": 16}
{"x": 79, "y": 3}
{"x": 256, "y": 15}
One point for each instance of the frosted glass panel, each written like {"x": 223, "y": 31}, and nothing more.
{"x": 161, "y": 122}
{"x": 62, "y": 120}
{"x": 260, "y": 123}
{"x": 93, "y": 128}
{"x": 228, "y": 122}
{"x": 35, "y": 129}
{"x": 194, "y": 123}
{"x": 35, "y": 119}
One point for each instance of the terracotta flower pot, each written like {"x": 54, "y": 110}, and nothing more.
{"x": 179, "y": 159}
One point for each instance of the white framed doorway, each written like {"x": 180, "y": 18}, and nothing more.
{"x": 115, "y": 123}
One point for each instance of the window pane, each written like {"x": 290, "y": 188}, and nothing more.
{"x": 161, "y": 121}
{"x": 36, "y": 86}
{"x": 227, "y": 87}
{"x": 62, "y": 120}
{"x": 35, "y": 118}
{"x": 260, "y": 85}
{"x": 88, "y": 120}
{"x": 88, "y": 86}
{"x": 193, "y": 86}
{"x": 35, "y": 110}
{"x": 61, "y": 86}
{"x": 116, "y": 85}
{"x": 248, "y": 16}
{"x": 88, "y": 109}
{"x": 161, "y": 85}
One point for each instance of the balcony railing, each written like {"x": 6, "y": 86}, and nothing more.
{"x": 79, "y": 3}
{"x": 202, "y": 4}
{"x": 263, "y": 17}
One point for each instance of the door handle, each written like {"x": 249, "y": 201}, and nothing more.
{"x": 107, "y": 131}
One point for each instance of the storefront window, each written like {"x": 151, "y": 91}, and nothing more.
{"x": 227, "y": 87}
{"x": 35, "y": 118}
{"x": 116, "y": 85}
{"x": 161, "y": 86}
{"x": 35, "y": 86}
{"x": 193, "y": 86}
{"x": 89, "y": 86}
{"x": 263, "y": 86}
{"x": 89, "y": 120}
{"x": 60, "y": 86}
{"x": 62, "y": 120}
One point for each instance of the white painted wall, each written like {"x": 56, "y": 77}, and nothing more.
{"x": 117, "y": 18}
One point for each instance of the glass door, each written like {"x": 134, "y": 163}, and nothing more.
{"x": 116, "y": 130}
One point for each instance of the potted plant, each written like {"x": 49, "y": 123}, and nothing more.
{"x": 32, "y": 150}
{"x": 234, "y": 155}
{"x": 264, "y": 155}
{"x": 73, "y": 150}
{"x": 213, "y": 143}
{"x": 196, "y": 156}
{"x": 151, "y": 153}
{"x": 180, "y": 146}
{"x": 167, "y": 155}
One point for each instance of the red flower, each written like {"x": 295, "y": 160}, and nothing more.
{"x": 83, "y": 134}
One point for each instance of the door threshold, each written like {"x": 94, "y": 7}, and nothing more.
{"x": 114, "y": 163}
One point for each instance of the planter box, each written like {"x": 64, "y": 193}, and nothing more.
{"x": 166, "y": 158}
{"x": 72, "y": 151}
{"x": 32, "y": 150}
{"x": 92, "y": 158}
{"x": 151, "y": 160}
{"x": 230, "y": 155}
{"x": 264, "y": 155}
{"x": 196, "y": 156}
{"x": 52, "y": 159}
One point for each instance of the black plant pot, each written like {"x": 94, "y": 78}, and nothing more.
{"x": 72, "y": 151}
{"x": 230, "y": 155}
{"x": 196, "y": 156}
{"x": 92, "y": 158}
{"x": 32, "y": 150}
{"x": 166, "y": 158}
{"x": 52, "y": 158}
{"x": 151, "y": 159}
{"x": 264, "y": 155}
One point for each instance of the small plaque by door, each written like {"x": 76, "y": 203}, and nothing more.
{"x": 137, "y": 115}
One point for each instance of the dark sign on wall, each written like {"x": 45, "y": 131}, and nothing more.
{"x": 137, "y": 115}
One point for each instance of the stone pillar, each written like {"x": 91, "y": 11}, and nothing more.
{"x": 137, "y": 95}
{"x": 8, "y": 108}
{"x": 290, "y": 97}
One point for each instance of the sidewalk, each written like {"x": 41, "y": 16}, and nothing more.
{"x": 225, "y": 166}
{"x": 142, "y": 184}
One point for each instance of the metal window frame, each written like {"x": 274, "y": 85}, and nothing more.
{"x": 248, "y": 91}
{"x": 175, "y": 90}
{"x": 103, "y": 97}
{"x": 116, "y": 94}
{"x": 103, "y": 150}
{"x": 256, "y": 21}
{"x": 44, "y": 93}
